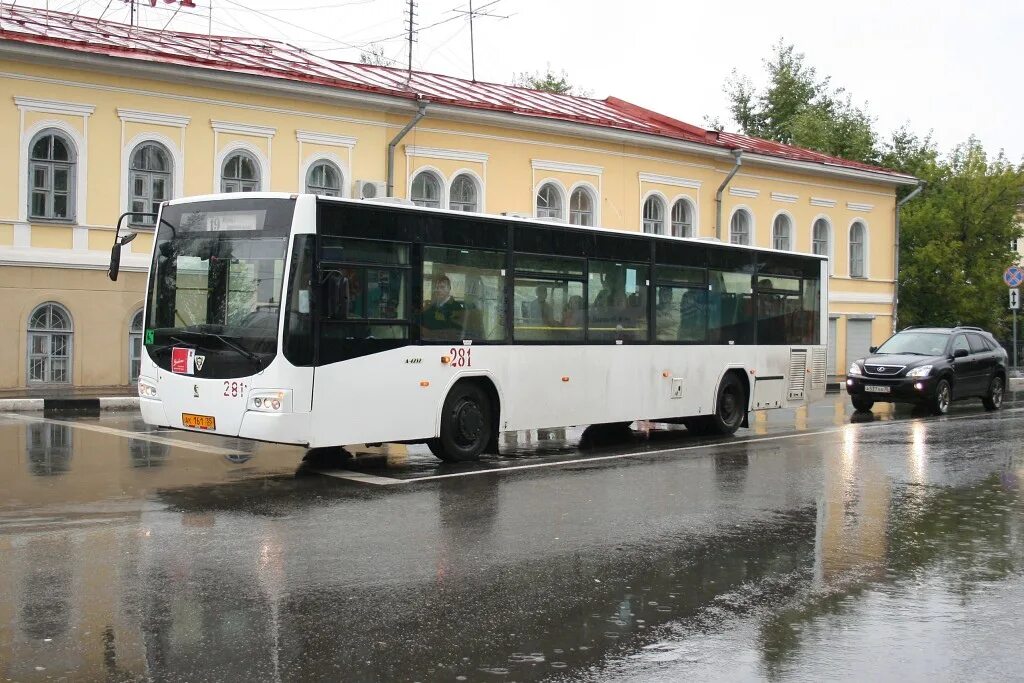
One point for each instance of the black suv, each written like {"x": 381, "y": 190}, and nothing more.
{"x": 930, "y": 366}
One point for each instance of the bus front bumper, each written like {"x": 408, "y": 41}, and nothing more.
{"x": 290, "y": 428}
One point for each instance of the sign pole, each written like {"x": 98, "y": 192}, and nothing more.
{"x": 1015, "y": 337}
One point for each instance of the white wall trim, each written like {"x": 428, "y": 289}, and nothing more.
{"x": 481, "y": 189}
{"x": 68, "y": 258}
{"x": 783, "y": 197}
{"x": 753, "y": 224}
{"x": 857, "y": 206}
{"x": 53, "y": 106}
{"x": 22, "y": 235}
{"x": 859, "y": 298}
{"x": 694, "y": 212}
{"x": 595, "y": 199}
{"x": 243, "y": 129}
{"x": 747, "y": 192}
{"x": 564, "y": 167}
{"x": 436, "y": 172}
{"x": 660, "y": 179}
{"x": 329, "y": 139}
{"x": 822, "y": 201}
{"x": 80, "y": 142}
{"x": 561, "y": 188}
{"x": 177, "y": 159}
{"x": 153, "y": 118}
{"x": 309, "y": 161}
{"x": 257, "y": 154}
{"x": 80, "y": 238}
{"x": 792, "y": 229}
{"x": 452, "y": 154}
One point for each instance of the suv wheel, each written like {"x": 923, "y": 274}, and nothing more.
{"x": 994, "y": 398}
{"x": 861, "y": 403}
{"x": 941, "y": 397}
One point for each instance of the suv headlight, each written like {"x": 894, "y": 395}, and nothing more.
{"x": 921, "y": 371}
{"x": 854, "y": 369}
{"x": 147, "y": 388}
{"x": 270, "y": 400}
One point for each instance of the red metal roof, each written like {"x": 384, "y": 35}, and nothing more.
{"x": 274, "y": 59}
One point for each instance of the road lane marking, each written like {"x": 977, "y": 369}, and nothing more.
{"x": 362, "y": 477}
{"x": 143, "y": 436}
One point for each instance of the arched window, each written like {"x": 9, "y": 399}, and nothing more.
{"x": 581, "y": 207}
{"x": 324, "y": 178}
{"x": 426, "y": 190}
{"x": 682, "y": 219}
{"x": 739, "y": 227}
{"x": 782, "y": 232}
{"x": 135, "y": 347}
{"x": 654, "y": 215}
{"x": 858, "y": 237}
{"x": 241, "y": 173}
{"x": 549, "y": 201}
{"x": 820, "y": 238}
{"x": 463, "y": 195}
{"x": 51, "y": 176}
{"x": 151, "y": 171}
{"x": 49, "y": 345}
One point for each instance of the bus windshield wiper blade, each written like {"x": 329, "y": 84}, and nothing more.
{"x": 246, "y": 353}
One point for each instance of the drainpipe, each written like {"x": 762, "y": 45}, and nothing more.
{"x": 738, "y": 153}
{"x": 896, "y": 259}
{"x": 422, "y": 104}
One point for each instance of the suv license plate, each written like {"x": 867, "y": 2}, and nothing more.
{"x": 871, "y": 388}
{"x": 198, "y": 421}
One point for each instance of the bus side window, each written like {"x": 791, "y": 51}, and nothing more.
{"x": 464, "y": 292}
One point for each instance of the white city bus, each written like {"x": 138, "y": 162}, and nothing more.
{"x": 324, "y": 322}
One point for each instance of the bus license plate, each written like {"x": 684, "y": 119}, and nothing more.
{"x": 877, "y": 389}
{"x": 198, "y": 421}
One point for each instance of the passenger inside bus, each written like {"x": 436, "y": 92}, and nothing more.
{"x": 539, "y": 311}
{"x": 444, "y": 316}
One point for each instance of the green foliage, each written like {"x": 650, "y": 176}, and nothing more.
{"x": 375, "y": 56}
{"x": 955, "y": 236}
{"x": 549, "y": 81}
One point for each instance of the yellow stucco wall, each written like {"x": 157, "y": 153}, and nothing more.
{"x": 509, "y": 162}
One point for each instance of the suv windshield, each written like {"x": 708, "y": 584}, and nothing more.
{"x": 920, "y": 343}
{"x": 216, "y": 280}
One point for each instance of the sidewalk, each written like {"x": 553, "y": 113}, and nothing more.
{"x": 85, "y": 400}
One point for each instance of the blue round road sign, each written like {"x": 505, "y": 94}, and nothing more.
{"x": 1013, "y": 276}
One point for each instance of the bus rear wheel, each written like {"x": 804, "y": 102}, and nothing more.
{"x": 730, "y": 406}
{"x": 466, "y": 424}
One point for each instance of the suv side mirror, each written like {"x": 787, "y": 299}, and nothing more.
{"x": 872, "y": 349}
{"x": 960, "y": 353}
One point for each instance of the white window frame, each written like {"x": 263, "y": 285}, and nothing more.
{"x": 752, "y": 235}
{"x": 177, "y": 166}
{"x": 477, "y": 181}
{"x": 49, "y": 331}
{"x": 864, "y": 248}
{"x": 133, "y": 335}
{"x": 791, "y": 224}
{"x": 71, "y": 166}
{"x": 831, "y": 240}
{"x": 322, "y": 160}
{"x": 692, "y": 205}
{"x": 261, "y": 160}
{"x": 595, "y": 205}
{"x": 330, "y": 157}
{"x": 442, "y": 185}
{"x": 563, "y": 198}
{"x": 129, "y": 173}
{"x": 663, "y": 225}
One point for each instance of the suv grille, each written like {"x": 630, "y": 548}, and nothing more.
{"x": 883, "y": 370}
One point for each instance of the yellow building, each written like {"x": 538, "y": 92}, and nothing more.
{"x": 97, "y": 118}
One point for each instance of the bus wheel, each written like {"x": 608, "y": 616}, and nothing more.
{"x": 466, "y": 424}
{"x": 730, "y": 406}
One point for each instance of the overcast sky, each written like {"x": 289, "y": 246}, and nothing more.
{"x": 950, "y": 67}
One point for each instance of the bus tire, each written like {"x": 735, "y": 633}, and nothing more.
{"x": 730, "y": 406}
{"x": 466, "y": 424}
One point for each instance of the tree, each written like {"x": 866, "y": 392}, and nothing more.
{"x": 549, "y": 81}
{"x": 375, "y": 56}
{"x": 955, "y": 237}
{"x": 796, "y": 107}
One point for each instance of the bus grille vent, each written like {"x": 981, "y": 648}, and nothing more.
{"x": 817, "y": 368}
{"x": 797, "y": 374}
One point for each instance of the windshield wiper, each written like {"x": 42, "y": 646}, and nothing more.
{"x": 246, "y": 353}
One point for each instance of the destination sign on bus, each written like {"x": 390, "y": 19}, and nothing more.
{"x": 222, "y": 221}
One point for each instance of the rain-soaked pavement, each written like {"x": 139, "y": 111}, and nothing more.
{"x": 816, "y": 544}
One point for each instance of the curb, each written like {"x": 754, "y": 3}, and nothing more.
{"x": 68, "y": 405}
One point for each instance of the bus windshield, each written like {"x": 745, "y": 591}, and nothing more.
{"x": 216, "y": 280}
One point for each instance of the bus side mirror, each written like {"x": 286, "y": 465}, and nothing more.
{"x": 115, "y": 254}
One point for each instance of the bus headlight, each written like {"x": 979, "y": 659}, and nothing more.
{"x": 270, "y": 400}
{"x": 147, "y": 389}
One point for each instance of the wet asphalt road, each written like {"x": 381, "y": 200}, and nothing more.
{"x": 815, "y": 545}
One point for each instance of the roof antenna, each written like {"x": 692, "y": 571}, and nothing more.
{"x": 477, "y": 13}
{"x": 412, "y": 32}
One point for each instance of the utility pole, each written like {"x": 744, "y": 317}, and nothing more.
{"x": 132, "y": 3}
{"x": 412, "y": 31}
